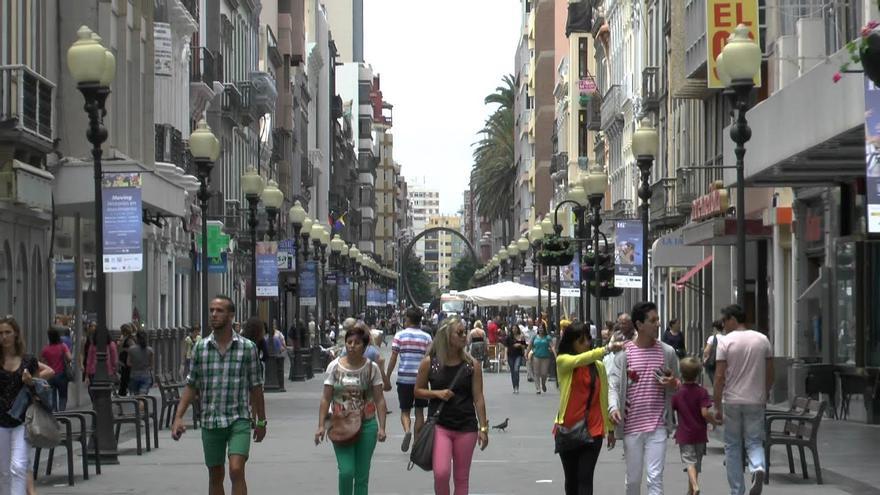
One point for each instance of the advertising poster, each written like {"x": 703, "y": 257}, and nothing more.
{"x": 267, "y": 269}
{"x": 872, "y": 155}
{"x": 308, "y": 284}
{"x": 65, "y": 284}
{"x": 392, "y": 297}
{"x": 162, "y": 48}
{"x": 330, "y": 278}
{"x": 123, "y": 222}
{"x": 286, "y": 255}
{"x": 375, "y": 297}
{"x": 722, "y": 17}
{"x": 570, "y": 278}
{"x": 628, "y": 256}
{"x": 343, "y": 293}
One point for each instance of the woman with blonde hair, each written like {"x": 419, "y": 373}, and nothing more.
{"x": 448, "y": 375}
{"x": 477, "y": 342}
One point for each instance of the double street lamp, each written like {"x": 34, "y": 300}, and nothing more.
{"x": 738, "y": 64}
{"x": 93, "y": 67}
{"x": 645, "y": 144}
{"x": 255, "y": 190}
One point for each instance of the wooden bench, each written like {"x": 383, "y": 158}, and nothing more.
{"x": 800, "y": 429}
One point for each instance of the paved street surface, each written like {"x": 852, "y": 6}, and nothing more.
{"x": 520, "y": 461}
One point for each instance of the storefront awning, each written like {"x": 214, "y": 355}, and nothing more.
{"x": 671, "y": 251}
{"x": 722, "y": 232}
{"x": 679, "y": 284}
{"x": 810, "y": 132}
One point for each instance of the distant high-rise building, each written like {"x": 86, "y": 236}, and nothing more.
{"x": 425, "y": 202}
{"x": 442, "y": 250}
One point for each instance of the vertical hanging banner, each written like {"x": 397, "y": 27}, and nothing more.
{"x": 162, "y": 49}
{"x": 267, "y": 269}
{"x": 123, "y": 222}
{"x": 286, "y": 255}
{"x": 723, "y": 16}
{"x": 308, "y": 284}
{"x": 628, "y": 256}
{"x": 872, "y": 155}
{"x": 375, "y": 297}
{"x": 570, "y": 282}
{"x": 343, "y": 292}
{"x": 392, "y": 297}
{"x": 65, "y": 284}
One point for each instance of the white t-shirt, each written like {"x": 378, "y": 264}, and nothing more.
{"x": 746, "y": 353}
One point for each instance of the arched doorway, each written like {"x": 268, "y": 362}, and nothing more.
{"x": 411, "y": 300}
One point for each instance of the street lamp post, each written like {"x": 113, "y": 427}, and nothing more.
{"x": 547, "y": 229}
{"x": 205, "y": 149}
{"x": 536, "y": 235}
{"x": 296, "y": 216}
{"x": 594, "y": 185}
{"x": 94, "y": 68}
{"x": 272, "y": 198}
{"x": 336, "y": 247}
{"x": 738, "y": 64}
{"x": 645, "y": 143}
{"x": 252, "y": 185}
{"x": 513, "y": 259}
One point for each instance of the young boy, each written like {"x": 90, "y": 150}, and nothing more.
{"x": 691, "y": 403}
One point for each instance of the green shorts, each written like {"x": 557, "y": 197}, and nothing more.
{"x": 236, "y": 438}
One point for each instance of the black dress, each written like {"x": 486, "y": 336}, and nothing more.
{"x": 10, "y": 386}
{"x": 458, "y": 414}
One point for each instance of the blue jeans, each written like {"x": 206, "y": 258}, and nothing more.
{"x": 514, "y": 363}
{"x": 743, "y": 427}
{"x": 140, "y": 384}
{"x": 59, "y": 391}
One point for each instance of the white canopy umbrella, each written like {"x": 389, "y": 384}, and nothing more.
{"x": 507, "y": 294}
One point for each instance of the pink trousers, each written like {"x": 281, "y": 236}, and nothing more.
{"x": 453, "y": 452}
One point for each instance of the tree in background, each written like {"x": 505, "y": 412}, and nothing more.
{"x": 493, "y": 175}
{"x": 461, "y": 274}
{"x": 418, "y": 279}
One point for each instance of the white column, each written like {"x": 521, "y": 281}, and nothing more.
{"x": 119, "y": 291}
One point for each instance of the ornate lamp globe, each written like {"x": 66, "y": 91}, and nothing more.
{"x": 547, "y": 226}
{"x": 203, "y": 144}
{"x": 522, "y": 245}
{"x": 306, "y": 230}
{"x": 645, "y": 141}
{"x": 536, "y": 233}
{"x": 742, "y": 56}
{"x": 252, "y": 183}
{"x": 296, "y": 214}
{"x": 336, "y": 244}
{"x": 512, "y": 250}
{"x": 272, "y": 196}
{"x": 86, "y": 58}
{"x": 595, "y": 182}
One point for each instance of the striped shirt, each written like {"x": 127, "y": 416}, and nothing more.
{"x": 224, "y": 381}
{"x": 411, "y": 344}
{"x": 645, "y": 399}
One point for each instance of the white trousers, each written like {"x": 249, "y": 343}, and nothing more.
{"x": 14, "y": 460}
{"x": 645, "y": 450}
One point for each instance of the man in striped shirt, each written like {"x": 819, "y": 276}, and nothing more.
{"x": 641, "y": 384}
{"x": 409, "y": 345}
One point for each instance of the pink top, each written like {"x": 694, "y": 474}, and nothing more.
{"x": 645, "y": 397}
{"x": 746, "y": 353}
{"x": 54, "y": 356}
{"x": 92, "y": 359}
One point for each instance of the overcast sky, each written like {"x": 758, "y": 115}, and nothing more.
{"x": 438, "y": 59}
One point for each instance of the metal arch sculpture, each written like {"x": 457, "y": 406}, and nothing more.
{"x": 406, "y": 252}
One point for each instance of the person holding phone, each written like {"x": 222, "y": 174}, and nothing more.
{"x": 641, "y": 385}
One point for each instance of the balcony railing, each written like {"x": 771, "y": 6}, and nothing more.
{"x": 170, "y": 146}
{"x": 593, "y": 114}
{"x": 203, "y": 67}
{"x": 612, "y": 107}
{"x": 664, "y": 211}
{"x": 27, "y": 100}
{"x": 192, "y": 6}
{"x": 686, "y": 191}
{"x": 623, "y": 208}
{"x": 650, "y": 89}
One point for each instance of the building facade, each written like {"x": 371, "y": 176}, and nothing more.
{"x": 425, "y": 203}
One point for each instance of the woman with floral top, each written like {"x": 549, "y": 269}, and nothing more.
{"x": 353, "y": 382}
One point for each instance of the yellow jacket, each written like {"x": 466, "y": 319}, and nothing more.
{"x": 565, "y": 366}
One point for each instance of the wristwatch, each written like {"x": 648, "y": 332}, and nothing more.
{"x": 484, "y": 429}
{"x": 260, "y": 423}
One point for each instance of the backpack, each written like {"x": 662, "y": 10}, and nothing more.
{"x": 710, "y": 360}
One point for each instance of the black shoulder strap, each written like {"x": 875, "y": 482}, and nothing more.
{"x": 593, "y": 377}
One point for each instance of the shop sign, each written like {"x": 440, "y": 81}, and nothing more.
{"x": 714, "y": 204}
{"x": 872, "y": 155}
{"x": 723, "y": 16}
{"x": 587, "y": 85}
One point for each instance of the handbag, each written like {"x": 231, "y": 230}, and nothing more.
{"x": 577, "y": 436}
{"x": 68, "y": 369}
{"x": 346, "y": 425}
{"x": 41, "y": 427}
{"x": 422, "y": 453}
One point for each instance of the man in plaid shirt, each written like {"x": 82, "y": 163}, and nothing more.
{"x": 226, "y": 375}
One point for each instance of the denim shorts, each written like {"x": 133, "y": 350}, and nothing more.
{"x": 140, "y": 385}
{"x": 692, "y": 454}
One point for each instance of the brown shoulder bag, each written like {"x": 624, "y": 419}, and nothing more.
{"x": 345, "y": 426}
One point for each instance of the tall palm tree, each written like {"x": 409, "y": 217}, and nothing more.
{"x": 493, "y": 176}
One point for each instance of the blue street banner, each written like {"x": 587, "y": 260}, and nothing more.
{"x": 330, "y": 278}
{"x": 375, "y": 297}
{"x": 308, "y": 284}
{"x": 123, "y": 222}
{"x": 872, "y": 155}
{"x": 343, "y": 288}
{"x": 286, "y": 255}
{"x": 628, "y": 255}
{"x": 570, "y": 281}
{"x": 392, "y": 297}
{"x": 65, "y": 284}
{"x": 267, "y": 269}
{"x": 215, "y": 265}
